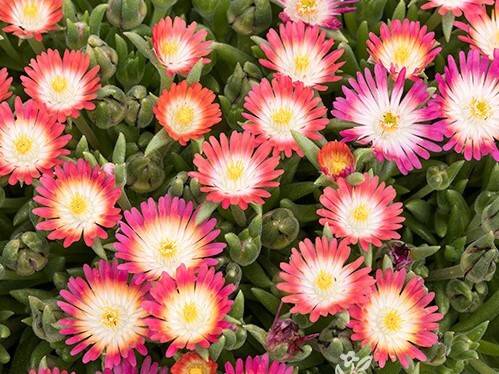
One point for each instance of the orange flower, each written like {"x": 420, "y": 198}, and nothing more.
{"x": 336, "y": 160}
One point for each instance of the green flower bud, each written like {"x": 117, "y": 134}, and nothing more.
{"x": 249, "y": 17}
{"x": 60, "y": 280}
{"x": 355, "y": 178}
{"x": 77, "y": 34}
{"x": 103, "y": 55}
{"x": 478, "y": 264}
{"x": 465, "y": 296}
{"x": 27, "y": 254}
{"x": 243, "y": 249}
{"x": 280, "y": 228}
{"x": 131, "y": 71}
{"x": 109, "y": 107}
{"x": 233, "y": 273}
{"x": 440, "y": 177}
{"x": 490, "y": 217}
{"x": 45, "y": 316}
{"x": 139, "y": 104}
{"x": 436, "y": 355}
{"x": 145, "y": 174}
{"x": 177, "y": 184}
{"x": 126, "y": 14}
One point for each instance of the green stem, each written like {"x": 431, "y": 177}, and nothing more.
{"x": 84, "y": 128}
{"x": 9, "y": 48}
{"x": 368, "y": 256}
{"x": 488, "y": 348}
{"x": 485, "y": 312}
{"x": 445, "y": 273}
{"x": 12, "y": 275}
{"x": 165, "y": 81}
{"x": 482, "y": 367}
{"x": 239, "y": 215}
{"x": 36, "y": 46}
{"x": 434, "y": 21}
{"x": 158, "y": 13}
{"x": 421, "y": 193}
{"x": 124, "y": 202}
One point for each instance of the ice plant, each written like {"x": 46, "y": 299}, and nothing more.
{"x": 320, "y": 282}
{"x": 5, "y": 82}
{"x": 187, "y": 111}
{"x": 162, "y": 235}
{"x": 55, "y": 370}
{"x": 31, "y": 141}
{"x": 403, "y": 45}
{"x": 236, "y": 170}
{"x": 192, "y": 363}
{"x": 396, "y": 319}
{"x": 106, "y": 315}
{"x": 456, "y": 7}
{"x": 393, "y": 122}
{"x": 30, "y": 18}
{"x": 469, "y": 102}
{"x": 65, "y": 85}
{"x": 364, "y": 213}
{"x": 336, "y": 160}
{"x": 275, "y": 108}
{"x": 257, "y": 365}
{"x": 302, "y": 53}
{"x": 188, "y": 311}
{"x": 482, "y": 30}
{"x": 178, "y": 46}
{"x": 316, "y": 12}
{"x": 77, "y": 200}
{"x": 147, "y": 367}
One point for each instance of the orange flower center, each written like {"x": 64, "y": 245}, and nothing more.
{"x": 480, "y": 109}
{"x": 168, "y": 249}
{"x": 389, "y": 122}
{"x": 392, "y": 321}
{"x": 306, "y": 7}
{"x": 31, "y": 9}
{"x": 190, "y": 312}
{"x": 111, "y": 317}
{"x": 324, "y": 280}
{"x": 78, "y": 204}
{"x": 169, "y": 48}
{"x": 23, "y": 144}
{"x": 336, "y": 164}
{"x": 184, "y": 116}
{"x": 361, "y": 213}
{"x": 282, "y": 116}
{"x": 301, "y": 63}
{"x": 59, "y": 84}
{"x": 234, "y": 170}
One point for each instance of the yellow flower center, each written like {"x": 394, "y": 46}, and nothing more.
{"x": 195, "y": 369}
{"x": 282, "y": 116}
{"x": 190, "y": 312}
{"x": 389, "y": 122}
{"x": 169, "y": 48}
{"x": 235, "y": 170}
{"x": 59, "y": 84}
{"x": 361, "y": 213}
{"x": 401, "y": 55}
{"x": 306, "y": 7}
{"x": 111, "y": 317}
{"x": 78, "y": 204}
{"x": 324, "y": 280}
{"x": 480, "y": 109}
{"x": 301, "y": 63}
{"x": 31, "y": 9}
{"x": 167, "y": 249}
{"x": 335, "y": 165}
{"x": 392, "y": 321}
{"x": 23, "y": 144}
{"x": 184, "y": 115}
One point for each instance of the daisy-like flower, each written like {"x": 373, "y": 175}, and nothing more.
{"x": 482, "y": 30}
{"x": 178, "y": 46}
{"x": 31, "y": 141}
{"x": 28, "y": 19}
{"x": 392, "y": 123}
{"x": 191, "y": 363}
{"x": 236, "y": 170}
{"x": 278, "y": 107}
{"x": 77, "y": 200}
{"x": 316, "y": 12}
{"x": 364, "y": 213}
{"x": 257, "y": 365}
{"x": 147, "y": 367}
{"x": 187, "y": 112}
{"x": 456, "y": 7}
{"x": 336, "y": 160}
{"x": 5, "y": 82}
{"x": 106, "y": 315}
{"x": 161, "y": 236}
{"x": 319, "y": 281}
{"x": 469, "y": 104}
{"x": 403, "y": 45}
{"x": 396, "y": 318}
{"x": 50, "y": 371}
{"x": 302, "y": 53}
{"x": 65, "y": 85}
{"x": 188, "y": 311}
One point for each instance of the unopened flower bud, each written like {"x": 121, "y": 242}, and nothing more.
{"x": 478, "y": 264}
{"x": 145, "y": 173}
{"x": 103, "y": 55}
{"x": 77, "y": 34}
{"x": 400, "y": 254}
{"x": 464, "y": 296}
{"x": 249, "y": 17}
{"x": 110, "y": 109}
{"x": 27, "y": 254}
{"x": 45, "y": 314}
{"x": 126, "y": 14}
{"x": 440, "y": 177}
{"x": 131, "y": 71}
{"x": 280, "y": 228}
{"x": 108, "y": 168}
{"x": 139, "y": 104}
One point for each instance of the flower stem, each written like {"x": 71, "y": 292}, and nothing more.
{"x": 158, "y": 13}
{"x": 239, "y": 215}
{"x": 434, "y": 20}
{"x": 368, "y": 256}
{"x": 84, "y": 128}
{"x": 12, "y": 275}
{"x": 36, "y": 46}
{"x": 445, "y": 273}
{"x": 488, "y": 348}
{"x": 124, "y": 202}
{"x": 485, "y": 312}
{"x": 165, "y": 81}
{"x": 482, "y": 367}
{"x": 421, "y": 193}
